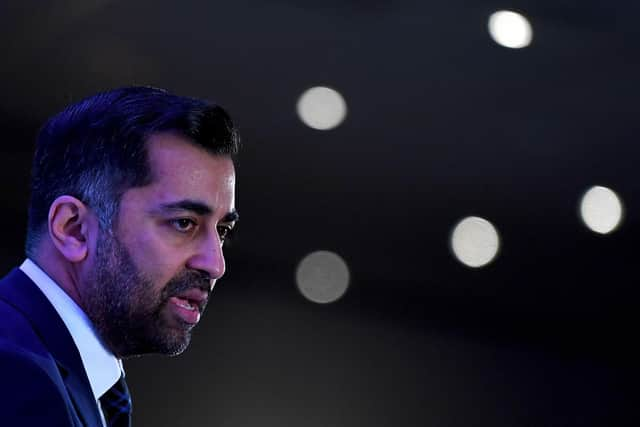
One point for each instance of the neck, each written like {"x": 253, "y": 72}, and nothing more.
{"x": 64, "y": 274}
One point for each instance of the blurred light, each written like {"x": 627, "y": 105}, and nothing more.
{"x": 322, "y": 277}
{"x": 321, "y": 108}
{"x": 601, "y": 209}
{"x": 475, "y": 241}
{"x": 510, "y": 29}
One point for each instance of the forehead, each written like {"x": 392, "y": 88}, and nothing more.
{"x": 183, "y": 170}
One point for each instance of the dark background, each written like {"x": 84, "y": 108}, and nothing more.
{"x": 442, "y": 123}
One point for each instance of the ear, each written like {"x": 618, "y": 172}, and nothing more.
{"x": 70, "y": 226}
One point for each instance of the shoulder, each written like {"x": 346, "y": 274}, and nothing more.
{"x": 24, "y": 358}
{"x": 16, "y": 330}
{"x": 32, "y": 392}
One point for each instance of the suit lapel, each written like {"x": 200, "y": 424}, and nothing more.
{"x": 23, "y": 294}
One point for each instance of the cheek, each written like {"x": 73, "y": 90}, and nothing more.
{"x": 152, "y": 248}
{"x": 155, "y": 260}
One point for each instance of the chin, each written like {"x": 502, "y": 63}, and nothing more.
{"x": 175, "y": 350}
{"x": 168, "y": 341}
{"x": 174, "y": 342}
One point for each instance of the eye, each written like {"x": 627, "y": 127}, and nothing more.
{"x": 224, "y": 231}
{"x": 183, "y": 225}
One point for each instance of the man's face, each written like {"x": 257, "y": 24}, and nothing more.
{"x": 154, "y": 272}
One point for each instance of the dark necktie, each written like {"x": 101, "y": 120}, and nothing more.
{"x": 116, "y": 405}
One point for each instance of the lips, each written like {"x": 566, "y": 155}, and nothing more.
{"x": 195, "y": 296}
{"x": 188, "y": 305}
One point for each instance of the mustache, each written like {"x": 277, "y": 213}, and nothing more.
{"x": 187, "y": 279}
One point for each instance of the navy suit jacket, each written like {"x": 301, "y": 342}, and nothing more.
{"x": 43, "y": 381}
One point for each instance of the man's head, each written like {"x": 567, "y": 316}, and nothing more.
{"x": 132, "y": 197}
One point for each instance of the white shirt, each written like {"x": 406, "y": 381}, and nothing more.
{"x": 102, "y": 367}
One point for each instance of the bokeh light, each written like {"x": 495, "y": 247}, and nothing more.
{"x": 322, "y": 108}
{"x": 601, "y": 209}
{"x": 510, "y": 29}
{"x": 322, "y": 277}
{"x": 475, "y": 241}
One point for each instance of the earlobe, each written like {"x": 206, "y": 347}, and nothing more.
{"x": 69, "y": 227}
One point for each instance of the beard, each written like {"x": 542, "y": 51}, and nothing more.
{"x": 129, "y": 311}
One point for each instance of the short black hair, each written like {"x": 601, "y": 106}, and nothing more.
{"x": 96, "y": 149}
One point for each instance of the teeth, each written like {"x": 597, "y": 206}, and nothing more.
{"x": 186, "y": 305}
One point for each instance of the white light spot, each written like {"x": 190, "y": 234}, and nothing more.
{"x": 322, "y": 277}
{"x": 601, "y": 209}
{"x": 510, "y": 29}
{"x": 321, "y": 108}
{"x": 475, "y": 241}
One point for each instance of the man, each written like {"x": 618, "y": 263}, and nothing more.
{"x": 132, "y": 199}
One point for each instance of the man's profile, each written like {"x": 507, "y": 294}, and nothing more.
{"x": 132, "y": 197}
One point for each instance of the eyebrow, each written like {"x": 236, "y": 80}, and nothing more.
{"x": 198, "y": 207}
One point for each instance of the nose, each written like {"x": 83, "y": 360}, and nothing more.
{"x": 209, "y": 257}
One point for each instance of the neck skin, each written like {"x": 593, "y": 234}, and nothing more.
{"x": 65, "y": 274}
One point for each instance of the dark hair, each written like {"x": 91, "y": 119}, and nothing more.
{"x": 95, "y": 149}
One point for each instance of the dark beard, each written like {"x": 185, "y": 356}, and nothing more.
{"x": 126, "y": 308}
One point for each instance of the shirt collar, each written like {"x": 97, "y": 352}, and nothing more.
{"x": 101, "y": 365}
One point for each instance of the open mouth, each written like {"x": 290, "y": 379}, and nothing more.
{"x": 186, "y": 304}
{"x": 186, "y": 310}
